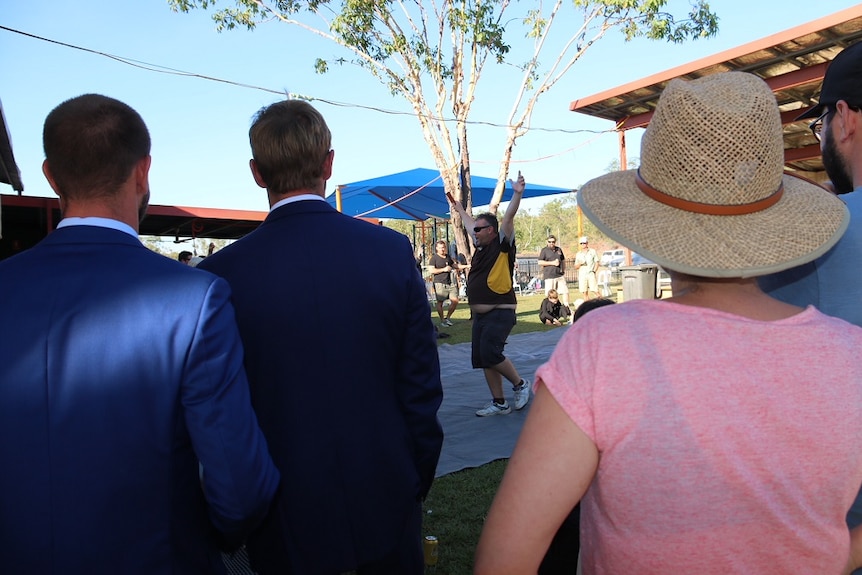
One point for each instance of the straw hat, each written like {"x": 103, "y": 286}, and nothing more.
{"x": 710, "y": 198}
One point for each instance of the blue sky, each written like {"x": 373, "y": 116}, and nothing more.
{"x": 199, "y": 127}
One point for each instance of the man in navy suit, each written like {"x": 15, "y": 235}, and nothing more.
{"x": 346, "y": 396}
{"x": 127, "y": 434}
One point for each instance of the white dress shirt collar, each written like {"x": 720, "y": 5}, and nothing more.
{"x": 292, "y": 199}
{"x": 99, "y": 223}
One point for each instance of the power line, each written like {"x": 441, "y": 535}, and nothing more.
{"x": 173, "y": 71}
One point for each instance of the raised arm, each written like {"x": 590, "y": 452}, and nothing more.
{"x": 507, "y": 226}
{"x": 468, "y": 220}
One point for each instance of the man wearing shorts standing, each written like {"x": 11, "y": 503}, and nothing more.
{"x": 552, "y": 260}
{"x": 492, "y": 300}
{"x": 587, "y": 262}
{"x": 442, "y": 266}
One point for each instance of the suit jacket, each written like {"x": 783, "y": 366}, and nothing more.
{"x": 120, "y": 369}
{"x": 342, "y": 361}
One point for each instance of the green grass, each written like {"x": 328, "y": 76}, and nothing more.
{"x": 455, "y": 512}
{"x": 456, "y": 507}
{"x": 527, "y": 316}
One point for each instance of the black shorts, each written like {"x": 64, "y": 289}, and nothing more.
{"x": 490, "y": 331}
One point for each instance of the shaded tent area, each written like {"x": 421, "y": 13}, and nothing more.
{"x": 28, "y": 219}
{"x": 418, "y": 194}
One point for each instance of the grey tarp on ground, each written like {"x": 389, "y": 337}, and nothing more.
{"x": 471, "y": 441}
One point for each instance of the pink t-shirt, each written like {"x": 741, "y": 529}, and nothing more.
{"x": 727, "y": 445}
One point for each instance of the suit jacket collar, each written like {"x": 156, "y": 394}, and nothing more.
{"x": 90, "y": 235}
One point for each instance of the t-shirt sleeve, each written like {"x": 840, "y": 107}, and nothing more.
{"x": 566, "y": 376}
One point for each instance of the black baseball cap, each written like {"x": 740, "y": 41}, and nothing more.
{"x": 842, "y": 81}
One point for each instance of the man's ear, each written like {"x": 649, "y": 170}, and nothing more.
{"x": 849, "y": 120}
{"x": 256, "y": 173}
{"x": 46, "y": 169}
{"x": 327, "y": 165}
{"x": 142, "y": 173}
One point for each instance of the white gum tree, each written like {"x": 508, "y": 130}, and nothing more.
{"x": 432, "y": 54}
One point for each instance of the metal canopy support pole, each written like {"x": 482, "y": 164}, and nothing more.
{"x": 624, "y": 164}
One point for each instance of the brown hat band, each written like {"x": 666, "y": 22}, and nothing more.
{"x": 710, "y": 209}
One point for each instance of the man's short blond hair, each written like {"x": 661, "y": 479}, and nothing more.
{"x": 289, "y": 143}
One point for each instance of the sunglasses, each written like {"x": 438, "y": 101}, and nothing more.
{"x": 478, "y": 229}
{"x": 817, "y": 125}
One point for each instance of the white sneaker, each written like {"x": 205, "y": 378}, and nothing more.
{"x": 522, "y": 394}
{"x": 446, "y": 322}
{"x": 494, "y": 409}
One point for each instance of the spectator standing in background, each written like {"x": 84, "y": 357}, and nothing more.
{"x": 443, "y": 267}
{"x": 587, "y": 262}
{"x": 552, "y": 260}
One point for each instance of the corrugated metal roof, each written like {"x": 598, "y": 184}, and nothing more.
{"x": 791, "y": 62}
{"x": 40, "y": 215}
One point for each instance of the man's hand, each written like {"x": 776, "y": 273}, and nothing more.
{"x": 519, "y": 184}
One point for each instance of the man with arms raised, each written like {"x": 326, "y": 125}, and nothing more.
{"x": 126, "y": 424}
{"x": 492, "y": 300}
{"x": 348, "y": 402}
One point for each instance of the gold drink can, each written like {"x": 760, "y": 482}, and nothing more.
{"x": 429, "y": 546}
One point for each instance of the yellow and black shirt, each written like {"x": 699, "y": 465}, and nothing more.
{"x": 490, "y": 279}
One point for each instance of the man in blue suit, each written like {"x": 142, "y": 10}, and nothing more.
{"x": 346, "y": 396}
{"x": 127, "y": 435}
